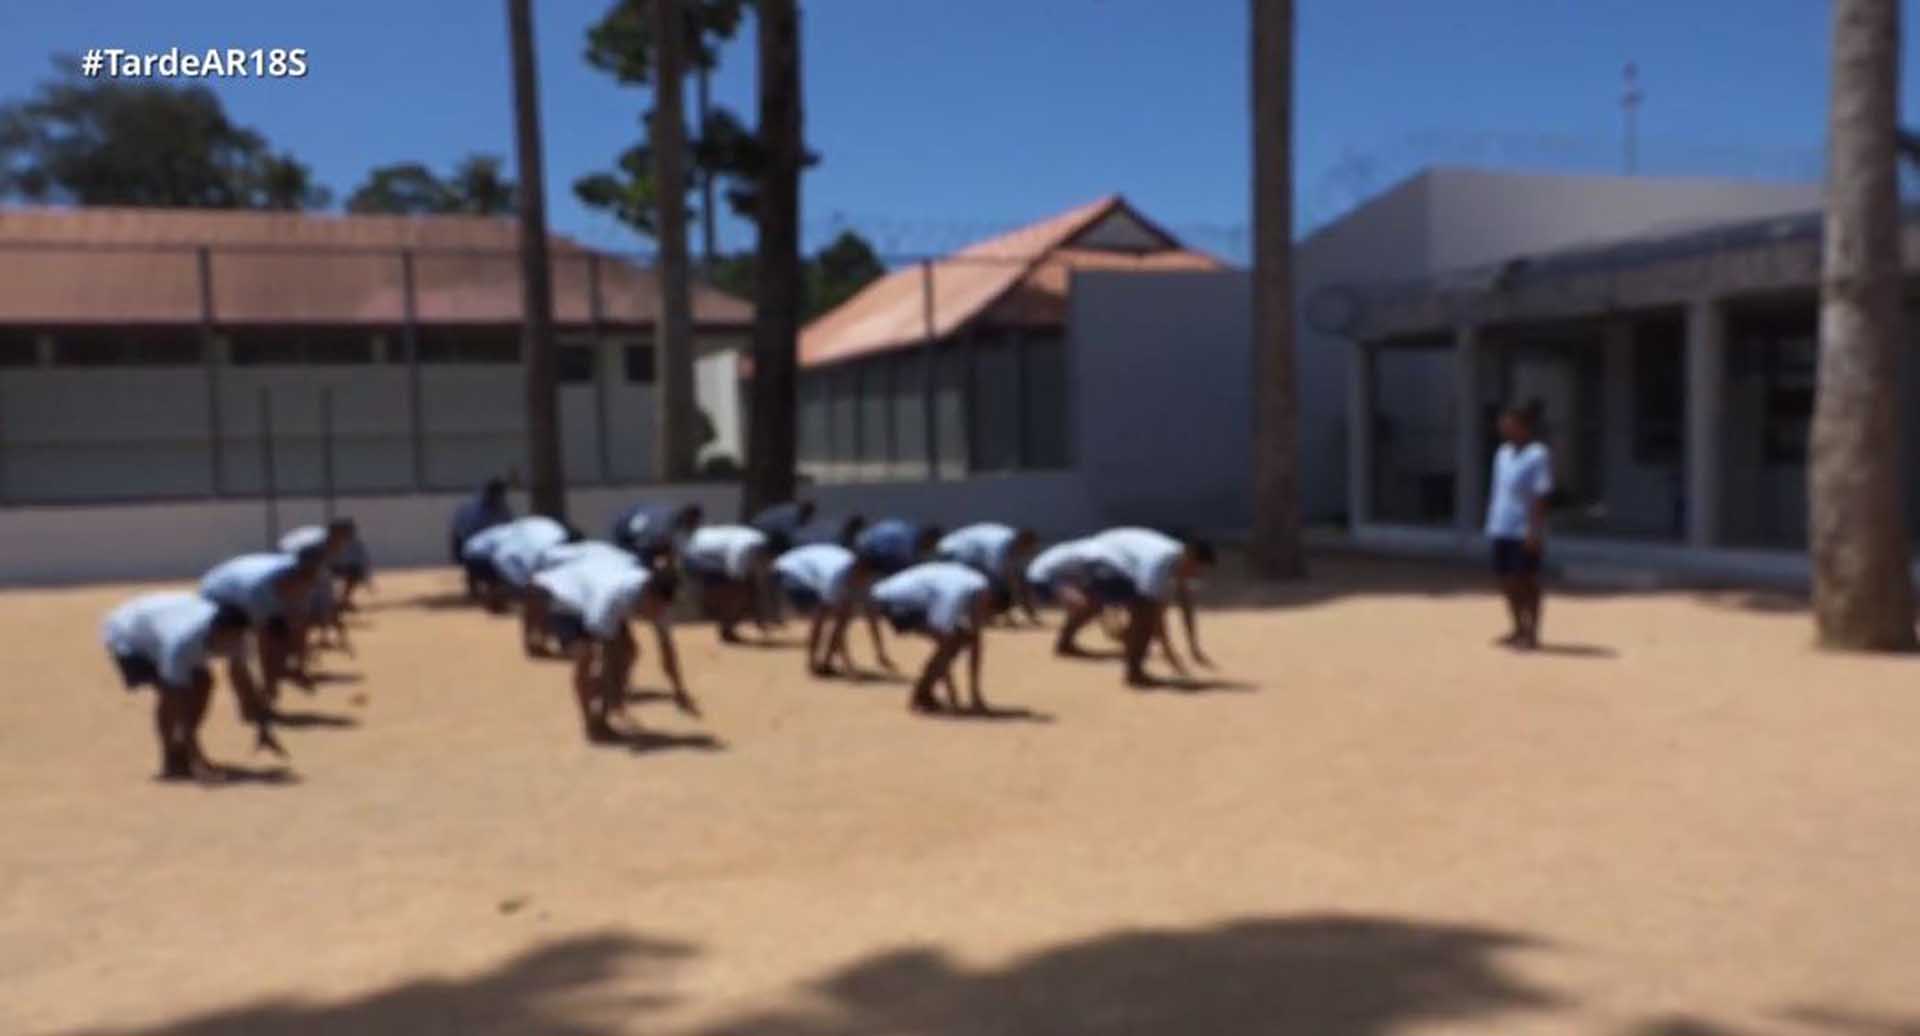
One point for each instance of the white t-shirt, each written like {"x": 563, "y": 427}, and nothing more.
{"x": 725, "y": 548}
{"x": 1146, "y": 557}
{"x": 250, "y": 583}
{"x": 1521, "y": 476}
{"x": 517, "y": 555}
{"x": 583, "y": 550}
{"x": 941, "y": 590}
{"x": 601, "y": 594}
{"x": 1067, "y": 561}
{"x": 984, "y": 545}
{"x": 820, "y": 567}
{"x": 481, "y": 545}
{"x": 167, "y": 629}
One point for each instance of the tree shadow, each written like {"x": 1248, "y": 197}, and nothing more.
{"x": 559, "y": 989}
{"x": 1681, "y": 1025}
{"x": 1313, "y": 975}
{"x": 313, "y": 720}
{"x": 1852, "y": 1023}
{"x": 325, "y": 679}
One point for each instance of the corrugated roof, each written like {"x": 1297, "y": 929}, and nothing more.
{"x": 1019, "y": 277}
{"x": 128, "y": 265}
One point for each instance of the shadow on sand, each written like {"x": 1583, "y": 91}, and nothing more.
{"x": 1195, "y": 685}
{"x": 1319, "y": 975}
{"x": 588, "y": 985}
{"x": 990, "y": 714}
{"x": 233, "y": 775}
{"x": 294, "y": 720}
{"x": 643, "y": 741}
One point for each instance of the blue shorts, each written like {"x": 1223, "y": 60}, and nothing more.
{"x": 137, "y": 671}
{"x": 481, "y": 570}
{"x": 1107, "y": 585}
{"x": 906, "y": 618}
{"x": 1512, "y": 558}
{"x": 566, "y": 628}
{"x": 801, "y": 596}
{"x": 708, "y": 574}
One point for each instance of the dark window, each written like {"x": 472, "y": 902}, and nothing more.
{"x": 1043, "y": 403}
{"x": 127, "y": 347}
{"x": 575, "y": 364}
{"x": 281, "y": 347}
{"x": 1790, "y": 374}
{"x": 1659, "y": 390}
{"x": 1779, "y": 347}
{"x": 639, "y": 361}
{"x": 469, "y": 345}
{"x": 19, "y": 348}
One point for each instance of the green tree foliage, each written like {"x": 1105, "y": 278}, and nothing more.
{"x": 832, "y": 276}
{"x": 722, "y": 148}
{"x": 476, "y": 187}
{"x": 120, "y": 142}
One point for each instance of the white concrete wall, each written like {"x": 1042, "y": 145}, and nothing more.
{"x": 167, "y": 541}
{"x": 126, "y": 433}
{"x": 1053, "y": 504}
{"x": 1160, "y": 366}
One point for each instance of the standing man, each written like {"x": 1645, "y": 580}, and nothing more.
{"x": 1517, "y": 521}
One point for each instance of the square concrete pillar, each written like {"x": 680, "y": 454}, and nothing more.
{"x": 1706, "y": 414}
{"x": 1469, "y": 454}
{"x": 1362, "y": 402}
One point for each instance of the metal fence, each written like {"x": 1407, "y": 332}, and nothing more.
{"x": 170, "y": 371}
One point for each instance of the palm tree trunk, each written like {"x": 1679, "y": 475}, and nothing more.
{"x": 545, "y": 480}
{"x": 1863, "y": 596}
{"x": 776, "y": 321}
{"x": 1276, "y": 545}
{"x": 673, "y": 331}
{"x": 708, "y": 237}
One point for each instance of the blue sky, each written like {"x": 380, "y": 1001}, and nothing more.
{"x": 941, "y": 122}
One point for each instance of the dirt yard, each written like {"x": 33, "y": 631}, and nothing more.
{"x": 1679, "y": 821}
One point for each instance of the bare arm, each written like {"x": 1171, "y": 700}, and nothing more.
{"x": 670, "y": 662}
{"x": 974, "y": 649}
{"x": 1537, "y": 523}
{"x": 1166, "y": 641}
{"x": 879, "y": 646}
{"x": 253, "y": 705}
{"x": 1193, "y": 625}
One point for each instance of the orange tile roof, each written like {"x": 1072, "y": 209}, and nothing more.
{"x": 130, "y": 265}
{"x": 1019, "y": 277}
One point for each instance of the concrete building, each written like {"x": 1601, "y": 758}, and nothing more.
{"x": 137, "y": 347}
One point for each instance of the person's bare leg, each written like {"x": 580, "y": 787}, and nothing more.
{"x": 586, "y": 689}
{"x": 617, "y": 658}
{"x": 935, "y": 671}
{"x": 534, "y": 613}
{"x": 168, "y": 707}
{"x": 1080, "y": 611}
{"x": 194, "y": 715}
{"x": 1531, "y": 604}
{"x": 1142, "y": 623}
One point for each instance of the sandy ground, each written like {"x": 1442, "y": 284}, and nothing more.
{"x": 1681, "y": 822}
